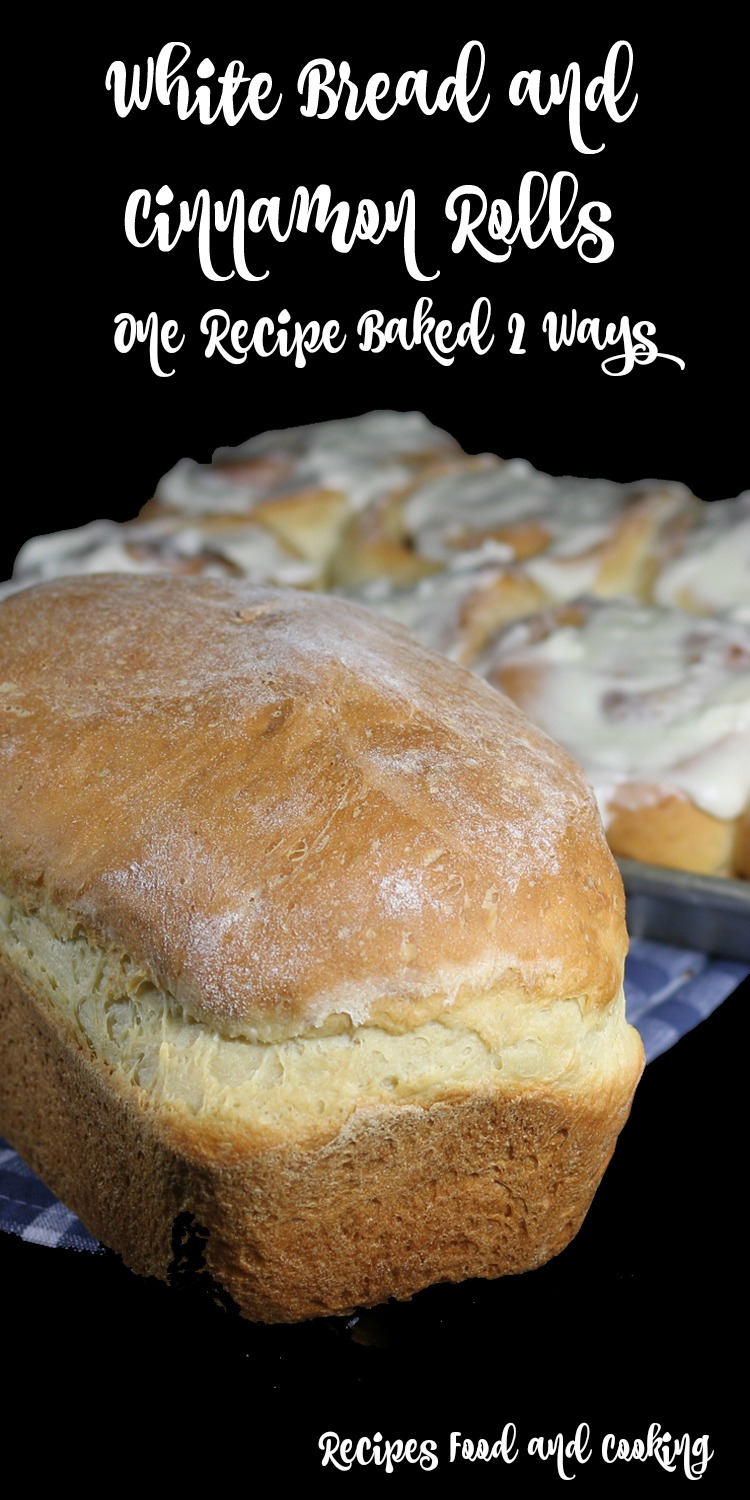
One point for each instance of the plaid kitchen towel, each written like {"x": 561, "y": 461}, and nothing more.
{"x": 668, "y": 992}
{"x": 29, "y": 1209}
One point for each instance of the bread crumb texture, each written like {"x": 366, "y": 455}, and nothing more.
{"x": 306, "y": 1088}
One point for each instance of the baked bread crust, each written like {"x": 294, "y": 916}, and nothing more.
{"x": 674, "y": 832}
{"x": 289, "y": 810}
{"x": 272, "y": 833}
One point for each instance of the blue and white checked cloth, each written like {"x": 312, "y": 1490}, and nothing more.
{"x": 668, "y": 992}
{"x": 29, "y": 1209}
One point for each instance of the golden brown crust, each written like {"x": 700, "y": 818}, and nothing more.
{"x": 372, "y": 545}
{"x": 481, "y": 1186}
{"x": 310, "y": 522}
{"x": 285, "y": 808}
{"x": 672, "y": 831}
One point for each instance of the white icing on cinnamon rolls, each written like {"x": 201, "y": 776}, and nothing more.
{"x": 709, "y": 565}
{"x": 651, "y": 701}
{"x": 209, "y": 549}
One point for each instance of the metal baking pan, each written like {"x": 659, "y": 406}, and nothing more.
{"x": 691, "y": 911}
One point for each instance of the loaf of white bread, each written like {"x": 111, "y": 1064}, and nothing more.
{"x": 306, "y": 933}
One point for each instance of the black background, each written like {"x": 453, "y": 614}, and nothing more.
{"x": 634, "y": 1323}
